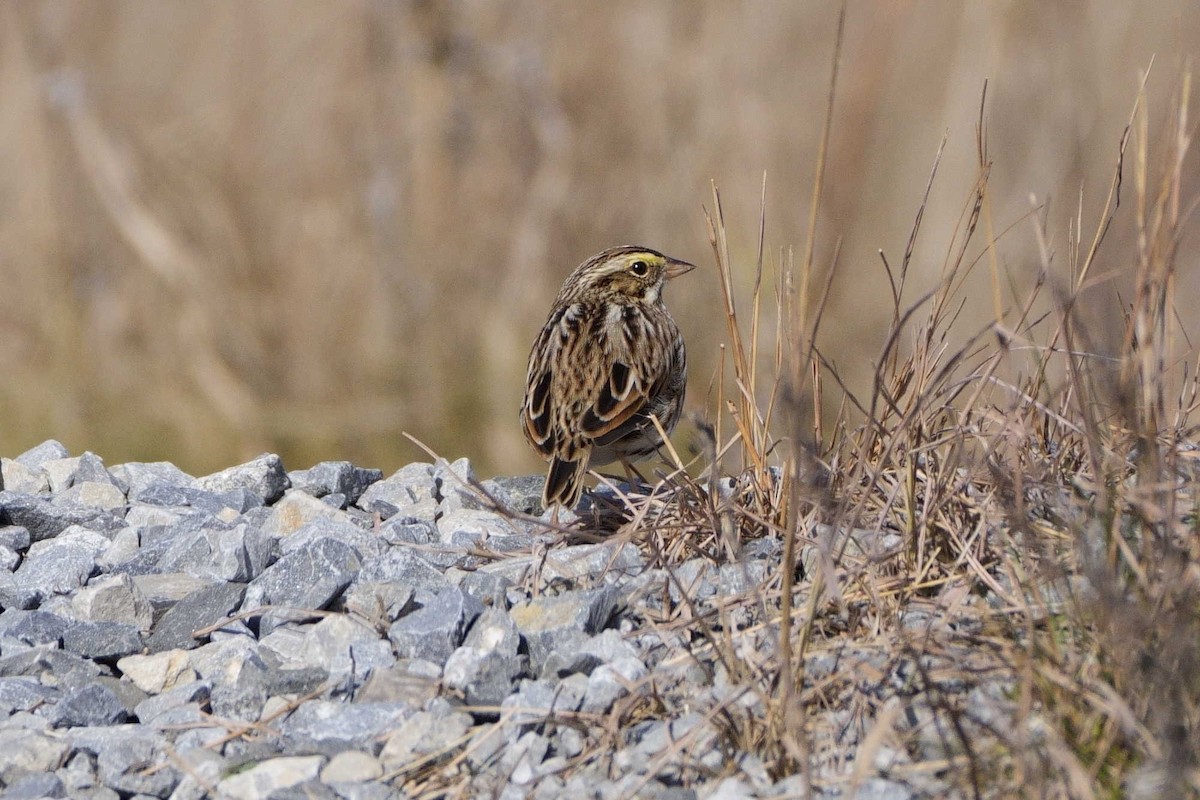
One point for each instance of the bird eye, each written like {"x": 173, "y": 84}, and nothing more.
{"x": 639, "y": 268}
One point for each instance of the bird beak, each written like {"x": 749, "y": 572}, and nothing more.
{"x": 676, "y": 268}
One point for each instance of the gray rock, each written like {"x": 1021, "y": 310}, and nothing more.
{"x": 9, "y": 559}
{"x": 12, "y": 595}
{"x": 466, "y": 527}
{"x": 329, "y": 643}
{"x": 585, "y": 656}
{"x": 49, "y": 665}
{"x": 264, "y": 476}
{"x": 694, "y": 580}
{"x": 188, "y": 716}
{"x": 883, "y": 789}
{"x": 268, "y": 777}
{"x": 521, "y": 761}
{"x": 374, "y": 790}
{"x": 102, "y": 641}
{"x": 742, "y": 577}
{"x": 213, "y": 736}
{"x": 129, "y": 759}
{"x": 285, "y": 644}
{"x": 94, "y": 704}
{"x": 486, "y": 745}
{"x": 535, "y": 701}
{"x": 113, "y": 599}
{"x": 570, "y": 742}
{"x": 29, "y": 753}
{"x": 663, "y": 735}
{"x": 367, "y": 544}
{"x": 578, "y": 563}
{"x": 164, "y": 590}
{"x": 217, "y": 553}
{"x": 485, "y": 587}
{"x": 32, "y": 627}
{"x": 48, "y": 450}
{"x": 126, "y": 692}
{"x": 312, "y": 789}
{"x": 329, "y": 727}
{"x": 232, "y": 629}
{"x": 31, "y": 787}
{"x": 24, "y": 694}
{"x": 424, "y": 733}
{"x": 411, "y": 494}
{"x": 93, "y": 494}
{"x": 406, "y": 531}
{"x": 404, "y": 568}
{"x": 155, "y": 540}
{"x": 455, "y": 486}
{"x": 434, "y": 631}
{"x": 522, "y": 494}
{"x": 223, "y": 662}
{"x": 161, "y": 522}
{"x": 734, "y": 789}
{"x": 370, "y": 657}
{"x": 60, "y": 472}
{"x": 158, "y": 493}
{"x": 45, "y": 519}
{"x": 91, "y": 469}
{"x": 237, "y": 675}
{"x": 237, "y": 500}
{"x": 15, "y": 538}
{"x": 242, "y": 701}
{"x": 307, "y": 578}
{"x": 485, "y": 667}
{"x": 552, "y": 622}
{"x": 137, "y": 477}
{"x": 335, "y": 477}
{"x": 16, "y": 477}
{"x": 410, "y": 682}
{"x": 79, "y": 773}
{"x": 201, "y": 609}
{"x": 609, "y": 682}
{"x": 378, "y": 602}
{"x": 295, "y": 681}
{"x": 202, "y": 770}
{"x": 124, "y": 546}
{"x": 59, "y": 565}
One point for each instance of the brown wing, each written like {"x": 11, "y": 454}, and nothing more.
{"x": 540, "y": 416}
{"x": 536, "y": 414}
{"x": 630, "y": 396}
{"x": 619, "y": 400}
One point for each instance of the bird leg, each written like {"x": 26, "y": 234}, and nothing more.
{"x": 631, "y": 472}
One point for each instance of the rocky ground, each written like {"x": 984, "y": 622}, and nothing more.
{"x": 331, "y": 633}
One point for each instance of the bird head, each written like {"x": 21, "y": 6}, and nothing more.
{"x": 633, "y": 274}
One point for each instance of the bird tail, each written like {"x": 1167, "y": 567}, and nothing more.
{"x": 564, "y": 482}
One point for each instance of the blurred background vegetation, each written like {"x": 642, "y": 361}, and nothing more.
{"x": 305, "y": 227}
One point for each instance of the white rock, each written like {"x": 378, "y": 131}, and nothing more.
{"x": 20, "y": 478}
{"x": 351, "y": 766}
{"x": 158, "y": 672}
{"x": 295, "y": 510}
{"x": 269, "y": 776}
{"x": 113, "y": 599}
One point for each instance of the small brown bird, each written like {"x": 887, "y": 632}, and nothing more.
{"x": 608, "y": 358}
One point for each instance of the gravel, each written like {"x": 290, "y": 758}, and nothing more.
{"x": 334, "y": 632}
